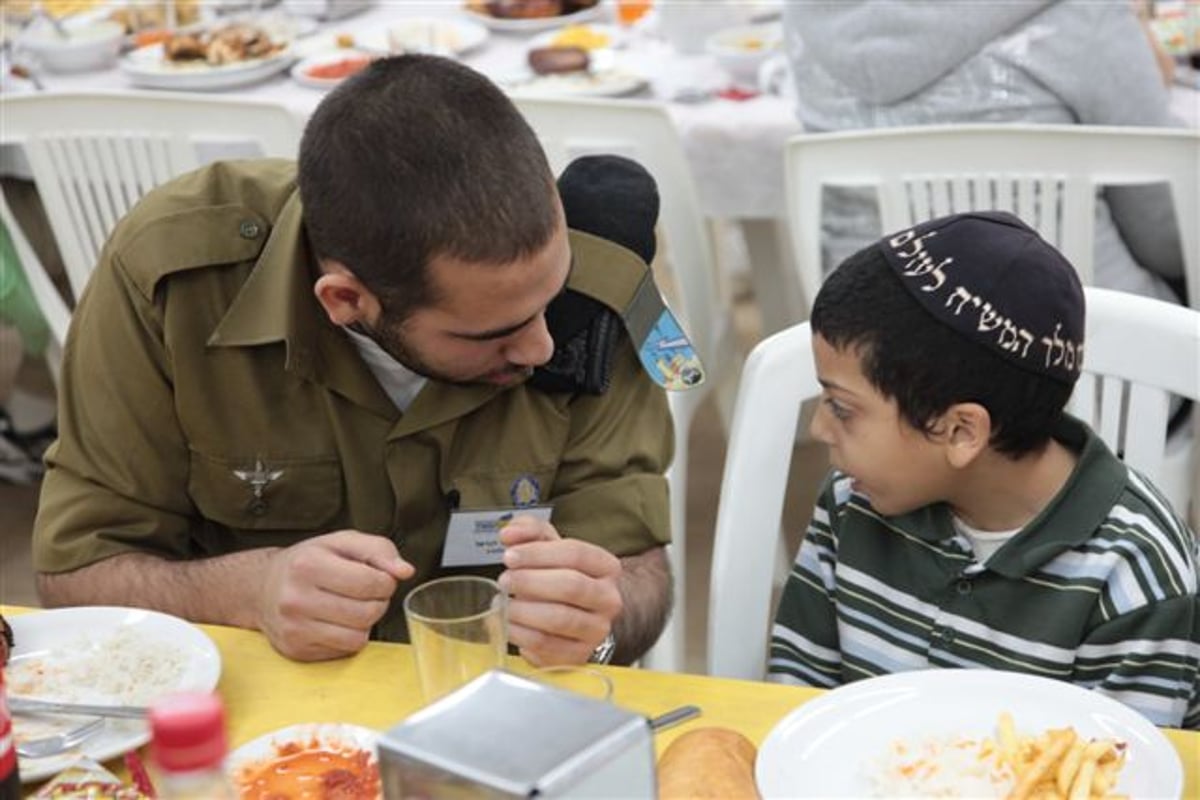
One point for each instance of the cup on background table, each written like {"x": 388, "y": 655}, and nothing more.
{"x": 458, "y": 627}
{"x": 686, "y": 24}
{"x": 630, "y": 11}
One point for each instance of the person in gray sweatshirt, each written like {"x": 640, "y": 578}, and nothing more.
{"x": 884, "y": 63}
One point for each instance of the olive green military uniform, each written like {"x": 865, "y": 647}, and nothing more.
{"x": 208, "y": 406}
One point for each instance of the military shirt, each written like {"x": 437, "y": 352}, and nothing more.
{"x": 208, "y": 405}
{"x": 1100, "y": 590}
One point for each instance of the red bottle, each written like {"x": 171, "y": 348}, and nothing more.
{"x": 10, "y": 777}
{"x": 188, "y": 745}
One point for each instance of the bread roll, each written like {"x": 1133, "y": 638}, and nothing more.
{"x": 708, "y": 763}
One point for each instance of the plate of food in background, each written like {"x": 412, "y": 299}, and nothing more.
{"x": 966, "y": 733}
{"x": 326, "y": 70}
{"x": 530, "y": 16}
{"x": 308, "y": 760}
{"x": 577, "y": 60}
{"x": 450, "y": 36}
{"x": 148, "y": 23}
{"x": 217, "y": 58}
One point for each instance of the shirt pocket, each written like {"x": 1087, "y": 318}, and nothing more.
{"x": 267, "y": 494}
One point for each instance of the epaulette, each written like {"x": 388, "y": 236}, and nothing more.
{"x": 611, "y": 205}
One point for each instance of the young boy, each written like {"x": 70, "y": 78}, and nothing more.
{"x": 969, "y": 522}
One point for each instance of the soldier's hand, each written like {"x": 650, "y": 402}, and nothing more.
{"x": 563, "y": 592}
{"x": 321, "y": 596}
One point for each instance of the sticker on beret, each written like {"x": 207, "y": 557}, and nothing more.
{"x": 668, "y": 356}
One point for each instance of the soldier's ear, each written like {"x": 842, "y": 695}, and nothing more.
{"x": 343, "y": 296}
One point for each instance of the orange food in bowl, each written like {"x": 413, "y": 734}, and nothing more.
{"x": 335, "y": 70}
{"x": 300, "y": 773}
{"x": 149, "y": 37}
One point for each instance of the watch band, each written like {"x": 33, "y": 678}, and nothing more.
{"x": 604, "y": 651}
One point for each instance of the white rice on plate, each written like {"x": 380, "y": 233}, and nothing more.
{"x": 124, "y": 668}
{"x": 941, "y": 767}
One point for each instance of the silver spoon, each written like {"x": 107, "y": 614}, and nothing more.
{"x": 673, "y": 717}
{"x": 59, "y": 742}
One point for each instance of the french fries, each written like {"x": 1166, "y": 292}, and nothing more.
{"x": 1059, "y": 764}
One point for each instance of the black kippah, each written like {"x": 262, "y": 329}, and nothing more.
{"x": 614, "y": 198}
{"x": 993, "y": 279}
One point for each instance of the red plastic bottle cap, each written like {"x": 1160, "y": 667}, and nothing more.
{"x": 187, "y": 732}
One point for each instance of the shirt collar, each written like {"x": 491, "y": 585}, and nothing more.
{"x": 1073, "y": 515}
{"x": 277, "y": 304}
{"x": 1067, "y": 521}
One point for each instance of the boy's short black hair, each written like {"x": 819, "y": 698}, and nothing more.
{"x": 926, "y": 366}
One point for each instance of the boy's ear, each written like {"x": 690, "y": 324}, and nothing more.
{"x": 968, "y": 431}
{"x": 343, "y": 296}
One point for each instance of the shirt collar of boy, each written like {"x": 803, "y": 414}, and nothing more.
{"x": 992, "y": 279}
{"x": 1069, "y": 520}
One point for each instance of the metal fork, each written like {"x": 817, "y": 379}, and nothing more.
{"x": 59, "y": 742}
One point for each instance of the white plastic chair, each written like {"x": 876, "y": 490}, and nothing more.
{"x": 644, "y": 132}
{"x": 94, "y": 155}
{"x": 778, "y": 376}
{"x": 1049, "y": 175}
{"x": 1136, "y": 351}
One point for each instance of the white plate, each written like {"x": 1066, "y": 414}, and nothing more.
{"x": 300, "y": 70}
{"x": 65, "y": 643}
{"x": 331, "y": 735}
{"x": 825, "y": 748}
{"x": 425, "y": 34}
{"x": 147, "y": 67}
{"x": 611, "y": 82}
{"x": 454, "y": 35}
{"x": 532, "y": 24}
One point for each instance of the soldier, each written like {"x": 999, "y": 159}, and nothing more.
{"x": 289, "y": 387}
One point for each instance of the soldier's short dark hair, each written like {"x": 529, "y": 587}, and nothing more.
{"x": 418, "y": 157}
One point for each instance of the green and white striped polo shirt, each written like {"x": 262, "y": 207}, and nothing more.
{"x": 1099, "y": 590}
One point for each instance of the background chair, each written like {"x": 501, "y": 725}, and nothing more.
{"x": 644, "y": 132}
{"x": 92, "y": 156}
{"x": 1136, "y": 352}
{"x": 1048, "y": 175}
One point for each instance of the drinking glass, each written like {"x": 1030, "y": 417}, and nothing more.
{"x": 586, "y": 681}
{"x": 458, "y": 627}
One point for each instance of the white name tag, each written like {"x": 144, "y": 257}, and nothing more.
{"x": 473, "y": 537}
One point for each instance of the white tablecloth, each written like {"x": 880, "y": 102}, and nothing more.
{"x": 735, "y": 147}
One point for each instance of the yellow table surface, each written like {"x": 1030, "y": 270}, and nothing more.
{"x": 378, "y": 688}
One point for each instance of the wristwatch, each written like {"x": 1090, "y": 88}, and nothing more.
{"x": 604, "y": 651}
